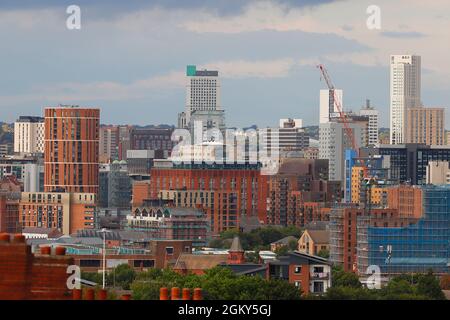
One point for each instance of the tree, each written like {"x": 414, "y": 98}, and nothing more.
{"x": 293, "y": 245}
{"x": 217, "y": 283}
{"x": 122, "y": 275}
{"x": 345, "y": 279}
{"x": 324, "y": 253}
{"x": 428, "y": 286}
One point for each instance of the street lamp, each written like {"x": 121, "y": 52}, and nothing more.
{"x": 104, "y": 255}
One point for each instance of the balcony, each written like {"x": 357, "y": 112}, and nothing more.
{"x": 320, "y": 275}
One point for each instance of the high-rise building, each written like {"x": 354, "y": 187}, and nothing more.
{"x": 372, "y": 114}
{"x": 202, "y": 91}
{"x": 71, "y": 154}
{"x": 290, "y": 136}
{"x": 29, "y": 135}
{"x": 425, "y": 125}
{"x": 405, "y": 93}
{"x": 334, "y": 141}
{"x": 114, "y": 143}
{"x": 328, "y": 107}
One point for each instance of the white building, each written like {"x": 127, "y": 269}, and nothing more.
{"x": 290, "y": 136}
{"x": 373, "y": 116}
{"x": 29, "y": 135}
{"x": 404, "y": 91}
{"x": 202, "y": 91}
{"x": 328, "y": 108}
{"x": 438, "y": 173}
{"x": 333, "y": 141}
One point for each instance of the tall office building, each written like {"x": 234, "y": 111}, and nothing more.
{"x": 328, "y": 107}
{"x": 372, "y": 114}
{"x": 425, "y": 125}
{"x": 333, "y": 142}
{"x": 29, "y": 135}
{"x": 202, "y": 91}
{"x": 405, "y": 93}
{"x": 71, "y": 149}
{"x": 290, "y": 136}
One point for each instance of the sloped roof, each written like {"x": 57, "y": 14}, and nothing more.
{"x": 285, "y": 240}
{"x": 319, "y": 236}
{"x": 199, "y": 261}
{"x": 236, "y": 245}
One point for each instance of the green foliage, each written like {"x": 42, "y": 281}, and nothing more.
{"x": 324, "y": 254}
{"x": 346, "y": 286}
{"x": 341, "y": 278}
{"x": 217, "y": 283}
{"x": 257, "y": 239}
{"x": 122, "y": 276}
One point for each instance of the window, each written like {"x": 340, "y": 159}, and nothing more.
{"x": 169, "y": 250}
{"x": 298, "y": 269}
{"x": 143, "y": 263}
{"x": 318, "y": 287}
{"x": 298, "y": 284}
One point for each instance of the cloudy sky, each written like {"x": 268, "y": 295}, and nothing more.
{"x": 129, "y": 56}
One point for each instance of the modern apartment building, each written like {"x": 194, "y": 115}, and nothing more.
{"x": 29, "y": 135}
{"x": 301, "y": 193}
{"x": 408, "y": 162}
{"x": 426, "y": 126}
{"x": 67, "y": 212}
{"x": 114, "y": 143}
{"x": 405, "y": 88}
{"x": 373, "y": 116}
{"x": 416, "y": 247}
{"x": 71, "y": 154}
{"x": 244, "y": 179}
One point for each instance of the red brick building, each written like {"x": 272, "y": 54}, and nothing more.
{"x": 71, "y": 153}
{"x": 9, "y": 215}
{"x": 244, "y": 180}
{"x": 300, "y": 192}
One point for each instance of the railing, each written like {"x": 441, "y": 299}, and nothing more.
{"x": 320, "y": 275}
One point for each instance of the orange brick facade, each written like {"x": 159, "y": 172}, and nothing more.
{"x": 71, "y": 149}
{"x": 9, "y": 215}
{"x": 249, "y": 184}
{"x": 406, "y": 199}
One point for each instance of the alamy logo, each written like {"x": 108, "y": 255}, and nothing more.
{"x": 374, "y": 19}
{"x": 73, "y": 22}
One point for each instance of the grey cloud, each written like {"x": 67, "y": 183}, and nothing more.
{"x": 401, "y": 34}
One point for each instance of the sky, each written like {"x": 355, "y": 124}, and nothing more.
{"x": 129, "y": 57}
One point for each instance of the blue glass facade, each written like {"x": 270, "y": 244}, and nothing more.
{"x": 421, "y": 246}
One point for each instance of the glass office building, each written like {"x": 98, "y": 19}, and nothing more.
{"x": 415, "y": 248}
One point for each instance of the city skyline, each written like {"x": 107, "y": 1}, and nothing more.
{"x": 133, "y": 57}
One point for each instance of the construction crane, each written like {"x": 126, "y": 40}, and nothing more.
{"x": 337, "y": 104}
{"x": 370, "y": 181}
